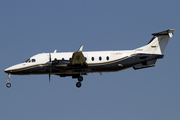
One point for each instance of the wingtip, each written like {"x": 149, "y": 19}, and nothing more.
{"x": 81, "y": 48}
{"x": 172, "y": 30}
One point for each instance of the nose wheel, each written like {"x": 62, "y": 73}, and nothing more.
{"x": 78, "y": 84}
{"x": 8, "y": 85}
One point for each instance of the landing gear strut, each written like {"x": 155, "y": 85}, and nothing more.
{"x": 8, "y": 85}
{"x": 78, "y": 84}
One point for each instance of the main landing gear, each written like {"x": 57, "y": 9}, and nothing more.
{"x": 78, "y": 84}
{"x": 8, "y": 85}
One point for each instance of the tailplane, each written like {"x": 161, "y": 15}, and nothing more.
{"x": 157, "y": 44}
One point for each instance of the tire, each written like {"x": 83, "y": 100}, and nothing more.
{"x": 78, "y": 84}
{"x": 80, "y": 78}
{"x": 8, "y": 85}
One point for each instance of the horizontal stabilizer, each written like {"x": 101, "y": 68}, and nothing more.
{"x": 166, "y": 32}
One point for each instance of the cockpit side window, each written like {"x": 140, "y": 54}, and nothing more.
{"x": 33, "y": 60}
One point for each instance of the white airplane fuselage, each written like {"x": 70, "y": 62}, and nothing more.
{"x": 97, "y": 59}
{"x": 80, "y": 63}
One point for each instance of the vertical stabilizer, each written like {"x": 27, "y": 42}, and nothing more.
{"x": 158, "y": 43}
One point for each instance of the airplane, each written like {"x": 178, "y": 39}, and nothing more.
{"x": 79, "y": 63}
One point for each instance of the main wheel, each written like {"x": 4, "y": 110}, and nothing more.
{"x": 8, "y": 85}
{"x": 80, "y": 78}
{"x": 78, "y": 84}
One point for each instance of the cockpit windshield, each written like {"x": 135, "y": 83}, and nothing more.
{"x": 30, "y": 60}
{"x": 27, "y": 61}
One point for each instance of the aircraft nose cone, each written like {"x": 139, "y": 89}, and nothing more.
{"x": 7, "y": 70}
{"x": 13, "y": 69}
{"x": 10, "y": 69}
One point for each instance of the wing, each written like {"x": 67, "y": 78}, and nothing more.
{"x": 78, "y": 59}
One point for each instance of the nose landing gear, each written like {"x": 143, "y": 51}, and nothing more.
{"x": 8, "y": 85}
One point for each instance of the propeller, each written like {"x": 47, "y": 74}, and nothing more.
{"x": 50, "y": 66}
{"x": 49, "y": 77}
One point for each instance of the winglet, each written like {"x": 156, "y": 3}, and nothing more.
{"x": 80, "y": 49}
{"x": 55, "y": 51}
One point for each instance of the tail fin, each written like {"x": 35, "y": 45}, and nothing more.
{"x": 158, "y": 43}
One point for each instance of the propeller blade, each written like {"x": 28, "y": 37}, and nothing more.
{"x": 49, "y": 77}
{"x": 50, "y": 66}
{"x": 49, "y": 57}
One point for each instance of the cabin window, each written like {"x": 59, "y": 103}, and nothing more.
{"x": 107, "y": 58}
{"x": 100, "y": 58}
{"x": 92, "y": 58}
{"x": 62, "y": 58}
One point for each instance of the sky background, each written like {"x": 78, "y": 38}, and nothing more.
{"x": 31, "y": 27}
